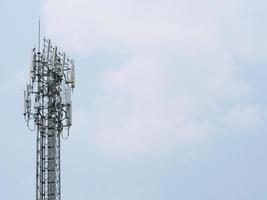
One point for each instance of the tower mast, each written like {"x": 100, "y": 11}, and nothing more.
{"x": 47, "y": 111}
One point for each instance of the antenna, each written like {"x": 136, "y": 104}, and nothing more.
{"x": 39, "y": 33}
{"x": 47, "y": 110}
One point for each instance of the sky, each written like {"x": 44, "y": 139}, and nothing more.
{"x": 170, "y": 98}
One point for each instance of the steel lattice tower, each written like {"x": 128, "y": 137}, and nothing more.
{"x": 47, "y": 110}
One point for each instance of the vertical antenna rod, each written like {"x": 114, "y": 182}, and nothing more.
{"x": 39, "y": 34}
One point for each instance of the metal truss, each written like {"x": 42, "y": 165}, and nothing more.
{"x": 47, "y": 110}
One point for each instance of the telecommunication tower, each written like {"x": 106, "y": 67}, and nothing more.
{"x": 48, "y": 112}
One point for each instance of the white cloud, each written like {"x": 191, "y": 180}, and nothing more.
{"x": 90, "y": 25}
{"x": 243, "y": 118}
{"x": 138, "y": 115}
{"x": 180, "y": 71}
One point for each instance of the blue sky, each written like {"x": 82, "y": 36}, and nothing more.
{"x": 170, "y": 100}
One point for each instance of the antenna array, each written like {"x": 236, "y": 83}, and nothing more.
{"x": 48, "y": 111}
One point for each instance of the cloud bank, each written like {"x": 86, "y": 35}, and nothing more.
{"x": 181, "y": 81}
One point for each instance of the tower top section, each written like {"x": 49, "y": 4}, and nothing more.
{"x": 51, "y": 82}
